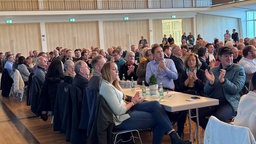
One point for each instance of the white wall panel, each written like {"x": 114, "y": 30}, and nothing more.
{"x": 210, "y": 26}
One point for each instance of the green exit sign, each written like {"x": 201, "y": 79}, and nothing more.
{"x": 173, "y": 16}
{"x": 9, "y": 21}
{"x": 126, "y": 18}
{"x": 72, "y": 20}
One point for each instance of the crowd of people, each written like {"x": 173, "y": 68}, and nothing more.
{"x": 217, "y": 70}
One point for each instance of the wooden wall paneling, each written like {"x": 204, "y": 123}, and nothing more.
{"x": 157, "y": 31}
{"x": 23, "y": 4}
{"x": 20, "y": 38}
{"x": 57, "y": 5}
{"x": 115, "y": 4}
{"x": 31, "y": 38}
{"x": 72, "y": 35}
{"x": 4, "y": 38}
{"x": 140, "y": 4}
{"x": 88, "y": 4}
{"x": 113, "y": 33}
{"x": 124, "y": 33}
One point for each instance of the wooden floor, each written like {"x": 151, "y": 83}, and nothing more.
{"x": 18, "y": 125}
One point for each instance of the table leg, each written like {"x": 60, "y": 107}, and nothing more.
{"x": 197, "y": 126}
{"x": 190, "y": 125}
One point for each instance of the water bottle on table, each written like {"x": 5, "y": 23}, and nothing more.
{"x": 161, "y": 91}
{"x": 143, "y": 89}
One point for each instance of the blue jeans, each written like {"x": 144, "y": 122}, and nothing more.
{"x": 148, "y": 115}
{"x": 223, "y": 112}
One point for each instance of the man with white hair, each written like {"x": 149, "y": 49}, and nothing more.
{"x": 40, "y": 68}
{"x": 82, "y": 75}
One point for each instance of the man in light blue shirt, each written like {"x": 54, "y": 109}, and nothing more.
{"x": 164, "y": 69}
{"x": 9, "y": 63}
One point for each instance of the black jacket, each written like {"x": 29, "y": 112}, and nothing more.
{"x": 198, "y": 88}
{"x": 80, "y": 82}
{"x": 204, "y": 65}
{"x": 48, "y": 94}
{"x": 94, "y": 83}
{"x": 6, "y": 83}
{"x": 180, "y": 69}
{"x": 35, "y": 88}
{"x": 96, "y": 118}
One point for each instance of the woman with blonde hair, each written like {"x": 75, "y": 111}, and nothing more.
{"x": 136, "y": 114}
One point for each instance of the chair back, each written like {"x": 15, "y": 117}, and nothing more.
{"x": 218, "y": 132}
{"x": 96, "y": 118}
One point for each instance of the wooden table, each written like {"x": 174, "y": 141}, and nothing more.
{"x": 177, "y": 101}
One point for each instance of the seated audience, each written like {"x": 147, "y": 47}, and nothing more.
{"x": 246, "y": 114}
{"x": 202, "y": 57}
{"x": 164, "y": 69}
{"x": 54, "y": 76}
{"x": 223, "y": 83}
{"x": 136, "y": 114}
{"x": 82, "y": 75}
{"x": 237, "y": 57}
{"x": 129, "y": 68}
{"x": 9, "y": 63}
{"x": 193, "y": 79}
{"x": 77, "y": 56}
{"x": 141, "y": 71}
{"x": 97, "y": 64}
{"x": 167, "y": 51}
{"x": 118, "y": 59}
{"x": 248, "y": 61}
{"x": 211, "y": 55}
{"x": 176, "y": 57}
{"x": 23, "y": 69}
{"x": 40, "y": 68}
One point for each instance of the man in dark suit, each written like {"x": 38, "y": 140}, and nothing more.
{"x": 202, "y": 57}
{"x": 82, "y": 74}
{"x": 97, "y": 64}
{"x": 167, "y": 51}
{"x": 176, "y": 57}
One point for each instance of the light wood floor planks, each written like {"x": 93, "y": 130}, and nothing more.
{"x": 18, "y": 125}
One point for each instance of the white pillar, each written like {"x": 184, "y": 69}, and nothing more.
{"x": 194, "y": 27}
{"x": 151, "y": 34}
{"x": 101, "y": 34}
{"x": 43, "y": 37}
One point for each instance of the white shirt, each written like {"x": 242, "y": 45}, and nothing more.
{"x": 246, "y": 114}
{"x": 211, "y": 57}
{"x": 248, "y": 64}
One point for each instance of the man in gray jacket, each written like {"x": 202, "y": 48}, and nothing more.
{"x": 223, "y": 83}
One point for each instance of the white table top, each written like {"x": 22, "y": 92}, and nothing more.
{"x": 177, "y": 101}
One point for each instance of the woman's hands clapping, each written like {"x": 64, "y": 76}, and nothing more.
{"x": 137, "y": 98}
